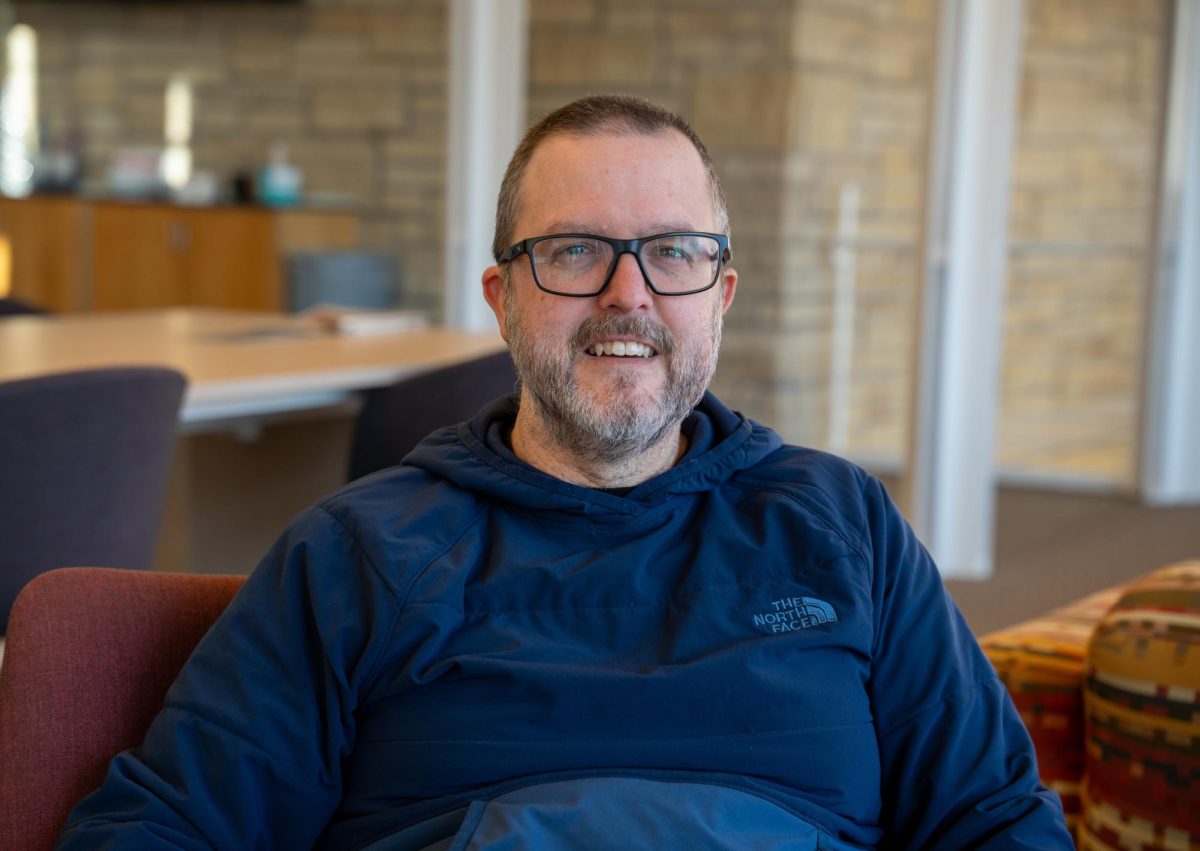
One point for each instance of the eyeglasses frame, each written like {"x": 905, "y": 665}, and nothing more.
{"x": 620, "y": 247}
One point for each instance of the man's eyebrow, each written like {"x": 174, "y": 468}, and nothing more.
{"x": 580, "y": 227}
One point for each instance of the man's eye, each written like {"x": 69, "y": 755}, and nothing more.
{"x": 671, "y": 252}
{"x": 572, "y": 253}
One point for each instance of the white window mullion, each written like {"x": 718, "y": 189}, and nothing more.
{"x": 1169, "y": 469}
{"x": 486, "y": 119}
{"x": 950, "y": 486}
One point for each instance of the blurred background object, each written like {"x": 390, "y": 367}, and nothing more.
{"x": 279, "y": 182}
{"x": 19, "y": 112}
{"x": 175, "y": 164}
{"x": 343, "y": 278}
{"x": 394, "y": 419}
{"x": 16, "y": 307}
{"x": 136, "y": 173}
{"x": 85, "y": 458}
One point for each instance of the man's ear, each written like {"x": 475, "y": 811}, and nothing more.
{"x": 729, "y": 286}
{"x": 493, "y": 292}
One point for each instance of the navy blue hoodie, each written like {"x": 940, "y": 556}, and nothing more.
{"x": 751, "y": 650}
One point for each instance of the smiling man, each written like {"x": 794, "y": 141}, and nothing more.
{"x": 608, "y": 612}
{"x": 615, "y": 340}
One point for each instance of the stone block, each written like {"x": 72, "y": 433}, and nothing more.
{"x": 355, "y": 20}
{"x": 343, "y": 110}
{"x": 275, "y": 118}
{"x": 835, "y": 38}
{"x": 428, "y": 149}
{"x": 918, "y": 11}
{"x": 429, "y": 107}
{"x": 1148, "y": 66}
{"x": 1098, "y": 381}
{"x": 1044, "y": 58}
{"x": 597, "y": 59}
{"x": 261, "y": 54}
{"x": 144, "y": 108}
{"x": 1066, "y": 22}
{"x": 102, "y": 124}
{"x": 409, "y": 35}
{"x": 888, "y": 227}
{"x": 699, "y": 48}
{"x": 899, "y": 58}
{"x": 344, "y": 165}
{"x": 162, "y": 20}
{"x": 550, "y": 13}
{"x": 418, "y": 224}
{"x": 743, "y": 110}
{"x": 76, "y": 16}
{"x": 630, "y": 16}
{"x": 825, "y": 108}
{"x": 218, "y": 118}
{"x": 401, "y": 198}
{"x": 54, "y": 50}
{"x": 319, "y": 54}
{"x": 416, "y": 174}
{"x": 236, "y": 16}
{"x": 99, "y": 47}
{"x": 685, "y": 21}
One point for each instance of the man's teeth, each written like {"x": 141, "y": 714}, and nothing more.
{"x": 621, "y": 349}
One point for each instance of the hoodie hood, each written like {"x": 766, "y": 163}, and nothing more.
{"x": 473, "y": 456}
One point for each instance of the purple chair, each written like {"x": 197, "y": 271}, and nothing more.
{"x": 395, "y": 419}
{"x": 16, "y": 307}
{"x": 85, "y": 458}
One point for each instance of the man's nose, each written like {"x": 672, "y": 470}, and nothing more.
{"x": 628, "y": 289}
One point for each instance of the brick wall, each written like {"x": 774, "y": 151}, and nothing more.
{"x": 356, "y": 88}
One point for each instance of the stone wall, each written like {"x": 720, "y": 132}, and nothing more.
{"x": 807, "y": 105}
{"x": 1089, "y": 132}
{"x": 356, "y": 88}
{"x": 802, "y": 104}
{"x": 798, "y": 100}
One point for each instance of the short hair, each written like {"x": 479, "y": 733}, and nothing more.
{"x": 592, "y": 116}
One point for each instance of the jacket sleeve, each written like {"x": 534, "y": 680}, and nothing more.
{"x": 248, "y": 749}
{"x": 959, "y": 770}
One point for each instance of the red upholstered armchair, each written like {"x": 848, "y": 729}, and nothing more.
{"x": 90, "y": 654}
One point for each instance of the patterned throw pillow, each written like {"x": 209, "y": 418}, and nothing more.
{"x": 1041, "y": 663}
{"x": 1142, "y": 726}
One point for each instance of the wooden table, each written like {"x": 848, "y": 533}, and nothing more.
{"x": 267, "y": 419}
{"x": 238, "y": 363}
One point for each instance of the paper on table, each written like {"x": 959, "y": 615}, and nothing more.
{"x": 353, "y": 322}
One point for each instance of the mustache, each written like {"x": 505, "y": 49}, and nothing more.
{"x": 597, "y": 328}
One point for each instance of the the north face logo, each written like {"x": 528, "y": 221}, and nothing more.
{"x": 793, "y": 613}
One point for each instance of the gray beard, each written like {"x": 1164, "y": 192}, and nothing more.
{"x": 584, "y": 425}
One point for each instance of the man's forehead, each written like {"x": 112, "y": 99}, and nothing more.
{"x": 586, "y": 227}
{"x": 667, "y": 142}
{"x": 660, "y": 170}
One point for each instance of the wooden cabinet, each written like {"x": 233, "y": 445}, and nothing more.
{"x": 232, "y": 259}
{"x": 162, "y": 256}
{"x": 70, "y": 254}
{"x": 137, "y": 258}
{"x": 45, "y": 250}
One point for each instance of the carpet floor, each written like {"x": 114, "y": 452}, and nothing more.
{"x": 1053, "y": 547}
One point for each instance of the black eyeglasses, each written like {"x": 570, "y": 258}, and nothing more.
{"x": 580, "y": 264}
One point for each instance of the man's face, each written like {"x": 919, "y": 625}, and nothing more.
{"x": 601, "y": 405}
